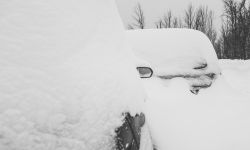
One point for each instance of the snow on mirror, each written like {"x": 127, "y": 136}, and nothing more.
{"x": 145, "y": 72}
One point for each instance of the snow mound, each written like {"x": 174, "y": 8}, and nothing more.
{"x": 66, "y": 75}
{"x": 215, "y": 119}
{"x": 218, "y": 118}
{"x": 142, "y": 63}
{"x": 237, "y": 74}
{"x": 173, "y": 51}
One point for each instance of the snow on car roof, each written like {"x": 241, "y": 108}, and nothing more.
{"x": 173, "y": 51}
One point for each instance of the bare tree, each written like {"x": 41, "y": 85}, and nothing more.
{"x": 138, "y": 17}
{"x": 189, "y": 17}
{"x": 210, "y": 30}
{"x": 175, "y": 23}
{"x": 236, "y": 29}
{"x": 201, "y": 19}
{"x": 159, "y": 24}
{"x": 168, "y": 21}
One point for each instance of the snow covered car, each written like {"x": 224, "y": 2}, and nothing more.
{"x": 215, "y": 118}
{"x": 177, "y": 53}
{"x": 67, "y": 79}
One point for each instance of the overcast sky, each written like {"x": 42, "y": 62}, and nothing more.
{"x": 154, "y": 9}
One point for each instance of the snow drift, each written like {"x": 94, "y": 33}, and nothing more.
{"x": 237, "y": 74}
{"x": 66, "y": 75}
{"x": 215, "y": 119}
{"x": 173, "y": 51}
{"x": 177, "y": 53}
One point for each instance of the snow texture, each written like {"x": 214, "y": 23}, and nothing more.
{"x": 66, "y": 75}
{"x": 176, "y": 53}
{"x": 215, "y": 119}
{"x": 237, "y": 74}
{"x": 173, "y": 51}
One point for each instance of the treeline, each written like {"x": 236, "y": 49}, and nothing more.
{"x": 231, "y": 42}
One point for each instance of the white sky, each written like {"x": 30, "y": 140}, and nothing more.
{"x": 155, "y": 9}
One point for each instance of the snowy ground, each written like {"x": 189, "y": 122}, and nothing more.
{"x": 67, "y": 75}
{"x": 237, "y": 74}
{"x": 217, "y": 118}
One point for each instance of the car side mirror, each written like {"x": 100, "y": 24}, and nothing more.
{"x": 145, "y": 72}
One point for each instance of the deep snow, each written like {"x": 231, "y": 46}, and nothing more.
{"x": 66, "y": 75}
{"x": 237, "y": 74}
{"x": 176, "y": 53}
{"x": 215, "y": 119}
{"x": 173, "y": 51}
